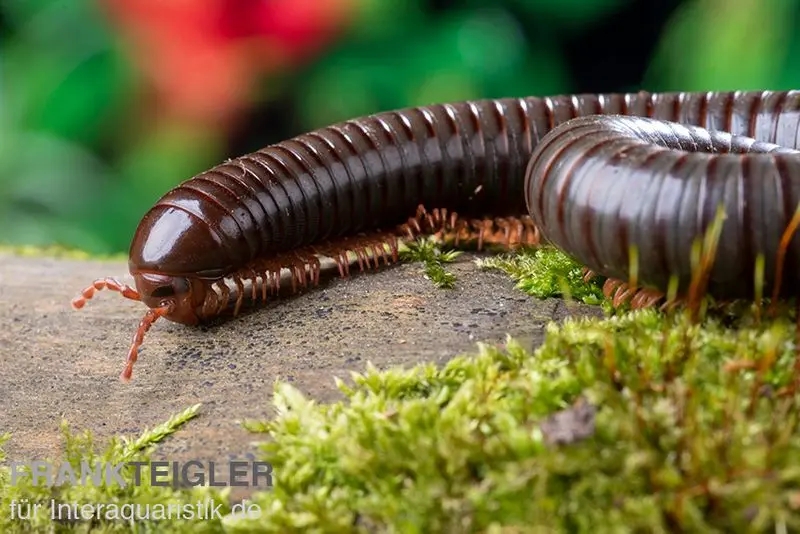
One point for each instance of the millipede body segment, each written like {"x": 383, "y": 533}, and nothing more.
{"x": 598, "y": 176}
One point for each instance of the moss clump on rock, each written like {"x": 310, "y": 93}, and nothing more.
{"x": 546, "y": 272}
{"x": 433, "y": 255}
{"x": 693, "y": 428}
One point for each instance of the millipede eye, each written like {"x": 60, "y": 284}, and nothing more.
{"x": 163, "y": 291}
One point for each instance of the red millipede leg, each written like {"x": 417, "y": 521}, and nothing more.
{"x": 211, "y": 304}
{"x": 453, "y": 220}
{"x": 300, "y": 270}
{"x": 315, "y": 266}
{"x": 105, "y": 283}
{"x": 275, "y": 273}
{"x": 520, "y": 229}
{"x": 361, "y": 257}
{"x": 294, "y": 278}
{"x": 371, "y": 248}
{"x": 394, "y": 246}
{"x": 224, "y": 297}
{"x": 623, "y": 295}
{"x": 478, "y": 230}
{"x": 645, "y": 298}
{"x": 239, "y": 294}
{"x": 340, "y": 263}
{"x": 380, "y": 252}
{"x": 406, "y": 230}
{"x": 149, "y": 318}
{"x": 532, "y": 235}
{"x": 503, "y": 229}
{"x": 266, "y": 283}
{"x": 610, "y": 286}
{"x": 253, "y": 286}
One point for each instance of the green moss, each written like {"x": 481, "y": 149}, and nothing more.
{"x": 433, "y": 256}
{"x": 692, "y": 427}
{"x": 695, "y": 430}
{"x": 546, "y": 272}
{"x": 81, "y": 448}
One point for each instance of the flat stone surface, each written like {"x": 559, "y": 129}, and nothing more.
{"x": 56, "y": 362}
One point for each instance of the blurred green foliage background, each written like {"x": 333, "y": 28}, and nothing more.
{"x": 106, "y": 104}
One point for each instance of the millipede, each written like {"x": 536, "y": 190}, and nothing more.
{"x": 595, "y": 175}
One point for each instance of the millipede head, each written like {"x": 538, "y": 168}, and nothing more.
{"x": 173, "y": 297}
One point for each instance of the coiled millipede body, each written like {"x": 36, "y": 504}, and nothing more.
{"x": 598, "y": 176}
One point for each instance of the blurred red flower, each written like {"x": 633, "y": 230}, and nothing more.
{"x": 202, "y": 59}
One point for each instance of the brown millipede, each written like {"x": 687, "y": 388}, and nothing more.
{"x": 593, "y": 174}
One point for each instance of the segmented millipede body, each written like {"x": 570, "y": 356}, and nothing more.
{"x": 596, "y": 175}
